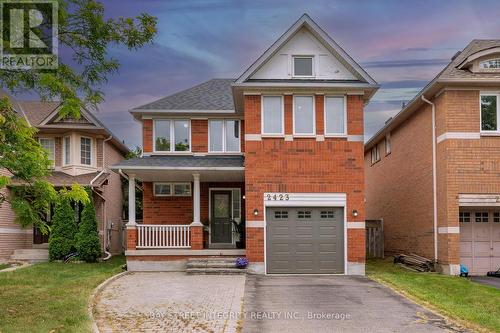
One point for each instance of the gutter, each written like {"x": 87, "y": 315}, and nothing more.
{"x": 434, "y": 175}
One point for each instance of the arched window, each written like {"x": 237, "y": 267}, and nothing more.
{"x": 490, "y": 64}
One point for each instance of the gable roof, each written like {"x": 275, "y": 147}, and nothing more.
{"x": 452, "y": 74}
{"x": 323, "y": 37}
{"x": 37, "y": 111}
{"x": 212, "y": 95}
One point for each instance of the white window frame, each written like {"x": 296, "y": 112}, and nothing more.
{"x": 313, "y": 133}
{"x": 172, "y": 137}
{"x": 172, "y": 189}
{"x": 282, "y": 133}
{"x": 65, "y": 150}
{"x": 91, "y": 150}
{"x": 224, "y": 129}
{"x": 313, "y": 69}
{"x": 388, "y": 144}
{"x": 489, "y": 93}
{"x": 333, "y": 135}
{"x": 375, "y": 154}
{"x": 53, "y": 140}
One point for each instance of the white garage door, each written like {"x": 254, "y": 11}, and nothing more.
{"x": 480, "y": 240}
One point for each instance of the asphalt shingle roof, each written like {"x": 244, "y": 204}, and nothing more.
{"x": 215, "y": 94}
{"x": 182, "y": 162}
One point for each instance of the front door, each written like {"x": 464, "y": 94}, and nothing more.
{"x": 220, "y": 225}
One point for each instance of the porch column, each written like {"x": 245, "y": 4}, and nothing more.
{"x": 131, "y": 225}
{"x": 196, "y": 225}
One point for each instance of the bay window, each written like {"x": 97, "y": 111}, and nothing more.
{"x": 335, "y": 116}
{"x": 85, "y": 151}
{"x": 67, "y": 150}
{"x": 490, "y": 113}
{"x": 172, "y": 135}
{"x": 49, "y": 145}
{"x": 303, "y": 115}
{"x": 272, "y": 115}
{"x": 224, "y": 135}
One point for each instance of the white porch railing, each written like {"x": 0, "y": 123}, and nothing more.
{"x": 159, "y": 236}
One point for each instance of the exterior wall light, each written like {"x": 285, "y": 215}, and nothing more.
{"x": 354, "y": 213}
{"x": 255, "y": 212}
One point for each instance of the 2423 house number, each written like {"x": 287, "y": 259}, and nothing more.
{"x": 278, "y": 197}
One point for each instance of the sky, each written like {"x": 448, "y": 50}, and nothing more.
{"x": 402, "y": 44}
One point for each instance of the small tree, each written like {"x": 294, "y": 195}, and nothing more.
{"x": 64, "y": 228}
{"x": 87, "y": 239}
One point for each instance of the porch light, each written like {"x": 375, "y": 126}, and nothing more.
{"x": 354, "y": 212}
{"x": 255, "y": 212}
{"x": 243, "y": 197}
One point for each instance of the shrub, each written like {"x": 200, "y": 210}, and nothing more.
{"x": 87, "y": 239}
{"x": 64, "y": 228}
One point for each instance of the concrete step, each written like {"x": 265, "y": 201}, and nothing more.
{"x": 214, "y": 271}
{"x": 30, "y": 255}
{"x": 214, "y": 264}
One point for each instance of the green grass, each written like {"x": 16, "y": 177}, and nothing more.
{"x": 470, "y": 303}
{"x": 4, "y": 266}
{"x": 51, "y": 297}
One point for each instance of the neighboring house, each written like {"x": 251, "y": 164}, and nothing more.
{"x": 438, "y": 190}
{"x": 280, "y": 149}
{"x": 81, "y": 151}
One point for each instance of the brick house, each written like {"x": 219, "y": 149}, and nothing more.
{"x": 437, "y": 188}
{"x": 81, "y": 150}
{"x": 279, "y": 149}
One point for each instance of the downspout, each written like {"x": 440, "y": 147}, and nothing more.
{"x": 104, "y": 224}
{"x": 434, "y": 176}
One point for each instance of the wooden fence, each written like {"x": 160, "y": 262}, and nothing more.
{"x": 374, "y": 238}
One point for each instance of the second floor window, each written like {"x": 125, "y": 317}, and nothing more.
{"x": 172, "y": 135}
{"x": 388, "y": 148}
{"x": 335, "y": 116}
{"x": 303, "y": 115}
{"x": 224, "y": 135}
{"x": 490, "y": 113}
{"x": 67, "y": 150}
{"x": 375, "y": 154}
{"x": 85, "y": 151}
{"x": 490, "y": 64}
{"x": 49, "y": 144}
{"x": 272, "y": 115}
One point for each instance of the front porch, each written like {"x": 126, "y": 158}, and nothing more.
{"x": 188, "y": 211}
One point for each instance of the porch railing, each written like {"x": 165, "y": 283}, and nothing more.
{"x": 154, "y": 236}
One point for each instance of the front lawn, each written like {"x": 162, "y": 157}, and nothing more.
{"x": 51, "y": 297}
{"x": 474, "y": 305}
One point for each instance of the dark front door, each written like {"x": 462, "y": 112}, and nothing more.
{"x": 221, "y": 228}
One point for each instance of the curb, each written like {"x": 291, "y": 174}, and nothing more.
{"x": 95, "y": 293}
{"x": 14, "y": 268}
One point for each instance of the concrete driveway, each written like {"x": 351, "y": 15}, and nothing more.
{"x": 487, "y": 281}
{"x": 332, "y": 304}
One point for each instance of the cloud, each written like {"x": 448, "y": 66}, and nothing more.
{"x": 406, "y": 63}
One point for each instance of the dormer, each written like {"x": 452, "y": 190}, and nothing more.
{"x": 484, "y": 61}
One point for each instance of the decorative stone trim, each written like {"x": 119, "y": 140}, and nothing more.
{"x": 449, "y": 230}
{"x": 356, "y": 225}
{"x": 255, "y": 224}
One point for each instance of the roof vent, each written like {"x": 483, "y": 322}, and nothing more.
{"x": 388, "y": 120}
{"x": 455, "y": 55}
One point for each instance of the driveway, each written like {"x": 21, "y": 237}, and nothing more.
{"x": 170, "y": 302}
{"x": 487, "y": 281}
{"x": 332, "y": 304}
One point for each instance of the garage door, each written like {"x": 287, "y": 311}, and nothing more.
{"x": 305, "y": 240}
{"x": 480, "y": 240}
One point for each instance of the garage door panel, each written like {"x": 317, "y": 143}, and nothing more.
{"x": 482, "y": 265}
{"x": 314, "y": 240}
{"x": 496, "y": 249}
{"x": 482, "y": 232}
{"x": 482, "y": 249}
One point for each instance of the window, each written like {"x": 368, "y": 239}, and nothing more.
{"x": 303, "y": 115}
{"x": 375, "y": 154}
{"x": 335, "y": 116}
{"x": 490, "y": 113}
{"x": 236, "y": 203}
{"x": 67, "y": 150}
{"x": 85, "y": 151}
{"x": 482, "y": 217}
{"x": 172, "y": 135}
{"x": 224, "y": 135}
{"x": 496, "y": 217}
{"x": 272, "y": 115}
{"x": 49, "y": 144}
{"x": 327, "y": 214}
{"x": 304, "y": 214}
{"x": 303, "y": 66}
{"x": 490, "y": 64}
{"x": 172, "y": 189}
{"x": 388, "y": 143}
{"x": 281, "y": 214}
{"x": 464, "y": 217}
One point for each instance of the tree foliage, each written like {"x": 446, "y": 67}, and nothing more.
{"x": 64, "y": 228}
{"x": 87, "y": 240}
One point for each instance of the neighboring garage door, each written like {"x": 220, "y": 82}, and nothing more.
{"x": 480, "y": 240}
{"x": 305, "y": 240}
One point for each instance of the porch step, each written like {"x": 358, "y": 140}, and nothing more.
{"x": 215, "y": 265}
{"x": 30, "y": 255}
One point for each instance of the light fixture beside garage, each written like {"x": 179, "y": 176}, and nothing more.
{"x": 354, "y": 213}
{"x": 255, "y": 212}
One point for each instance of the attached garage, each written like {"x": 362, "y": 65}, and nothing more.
{"x": 305, "y": 240}
{"x": 480, "y": 240}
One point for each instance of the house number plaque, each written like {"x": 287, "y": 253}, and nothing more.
{"x": 277, "y": 197}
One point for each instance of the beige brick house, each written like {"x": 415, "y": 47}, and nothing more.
{"x": 433, "y": 171}
{"x": 81, "y": 151}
